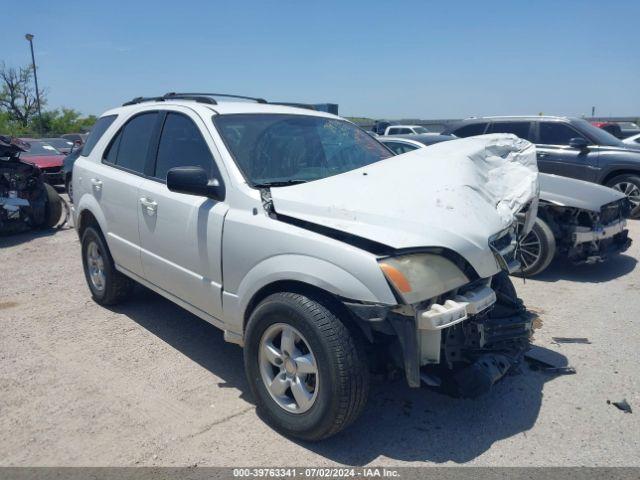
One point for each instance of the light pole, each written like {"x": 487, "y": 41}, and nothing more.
{"x": 29, "y": 38}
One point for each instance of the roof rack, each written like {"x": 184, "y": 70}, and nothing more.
{"x": 198, "y": 97}
{"x": 308, "y": 106}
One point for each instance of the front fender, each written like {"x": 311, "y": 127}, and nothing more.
{"x": 306, "y": 269}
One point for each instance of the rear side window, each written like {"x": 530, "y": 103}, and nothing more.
{"x": 182, "y": 145}
{"x": 552, "y": 133}
{"x": 130, "y": 147}
{"x": 96, "y": 133}
{"x": 519, "y": 129}
{"x": 470, "y": 130}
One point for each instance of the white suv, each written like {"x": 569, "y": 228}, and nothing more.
{"x": 301, "y": 237}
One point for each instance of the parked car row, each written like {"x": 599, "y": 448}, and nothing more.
{"x": 569, "y": 147}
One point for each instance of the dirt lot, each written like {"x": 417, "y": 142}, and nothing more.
{"x": 149, "y": 384}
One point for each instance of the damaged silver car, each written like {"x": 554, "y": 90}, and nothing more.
{"x": 579, "y": 221}
{"x": 296, "y": 233}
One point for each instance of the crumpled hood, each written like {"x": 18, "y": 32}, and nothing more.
{"x": 569, "y": 192}
{"x": 454, "y": 195}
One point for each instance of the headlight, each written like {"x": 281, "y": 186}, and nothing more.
{"x": 421, "y": 276}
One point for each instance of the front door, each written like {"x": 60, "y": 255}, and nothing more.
{"x": 556, "y": 156}
{"x": 181, "y": 235}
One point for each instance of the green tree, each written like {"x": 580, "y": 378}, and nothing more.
{"x": 17, "y": 95}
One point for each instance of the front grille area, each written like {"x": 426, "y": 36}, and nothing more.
{"x": 52, "y": 169}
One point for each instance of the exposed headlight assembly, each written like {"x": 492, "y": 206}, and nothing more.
{"x": 420, "y": 276}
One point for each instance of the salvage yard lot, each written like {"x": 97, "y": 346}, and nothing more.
{"x": 147, "y": 383}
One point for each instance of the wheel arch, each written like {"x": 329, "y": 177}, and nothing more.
{"x": 619, "y": 171}
{"x": 89, "y": 213}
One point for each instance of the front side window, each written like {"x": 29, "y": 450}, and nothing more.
{"x": 272, "y": 149}
{"x": 130, "y": 147}
{"x": 96, "y": 133}
{"x": 182, "y": 145}
{"x": 553, "y": 133}
{"x": 519, "y": 129}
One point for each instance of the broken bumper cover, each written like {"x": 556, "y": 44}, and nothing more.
{"x": 599, "y": 233}
{"x": 440, "y": 316}
{"x": 595, "y": 245}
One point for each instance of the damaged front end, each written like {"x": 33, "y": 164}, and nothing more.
{"x": 466, "y": 339}
{"x": 585, "y": 236}
{"x": 25, "y": 202}
{"x": 588, "y": 221}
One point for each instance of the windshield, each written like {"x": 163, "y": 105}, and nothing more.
{"x": 420, "y": 130}
{"x": 282, "y": 149}
{"x": 40, "y": 149}
{"x": 598, "y": 135}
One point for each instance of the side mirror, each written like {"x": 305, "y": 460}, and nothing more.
{"x": 579, "y": 143}
{"x": 194, "y": 181}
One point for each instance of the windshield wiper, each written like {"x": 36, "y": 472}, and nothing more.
{"x": 281, "y": 183}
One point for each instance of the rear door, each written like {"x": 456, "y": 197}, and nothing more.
{"x": 522, "y": 129}
{"x": 181, "y": 235}
{"x": 557, "y": 157}
{"x": 115, "y": 183}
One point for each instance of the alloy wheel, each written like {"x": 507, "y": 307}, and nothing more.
{"x": 288, "y": 368}
{"x": 95, "y": 265}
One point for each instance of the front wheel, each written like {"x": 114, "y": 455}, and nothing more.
{"x": 306, "y": 371}
{"x": 536, "y": 250}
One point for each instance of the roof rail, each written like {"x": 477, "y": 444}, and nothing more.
{"x": 198, "y": 97}
{"x": 308, "y": 106}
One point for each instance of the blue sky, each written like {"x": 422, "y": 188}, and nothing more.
{"x": 388, "y": 59}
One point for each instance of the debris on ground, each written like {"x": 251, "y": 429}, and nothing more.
{"x": 548, "y": 361}
{"x": 622, "y": 405}
{"x": 571, "y": 340}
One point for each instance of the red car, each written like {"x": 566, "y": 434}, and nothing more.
{"x": 47, "y": 158}
{"x": 613, "y": 128}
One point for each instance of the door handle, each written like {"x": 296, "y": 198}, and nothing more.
{"x": 543, "y": 155}
{"x": 97, "y": 184}
{"x": 149, "y": 205}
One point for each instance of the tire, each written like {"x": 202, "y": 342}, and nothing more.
{"x": 68, "y": 187}
{"x": 114, "y": 287}
{"x": 536, "y": 250}
{"x": 338, "y": 390}
{"x": 53, "y": 207}
{"x": 628, "y": 184}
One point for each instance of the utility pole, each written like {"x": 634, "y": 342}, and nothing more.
{"x": 29, "y": 38}
{"x": 593, "y": 112}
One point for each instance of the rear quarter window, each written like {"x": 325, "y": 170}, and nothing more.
{"x": 470, "y": 130}
{"x": 101, "y": 126}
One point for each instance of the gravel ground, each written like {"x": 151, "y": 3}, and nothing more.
{"x": 147, "y": 383}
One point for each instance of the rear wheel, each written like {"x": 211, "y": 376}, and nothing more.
{"x": 629, "y": 185}
{"x": 536, "y": 250}
{"x": 306, "y": 371}
{"x": 53, "y": 207}
{"x": 107, "y": 285}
